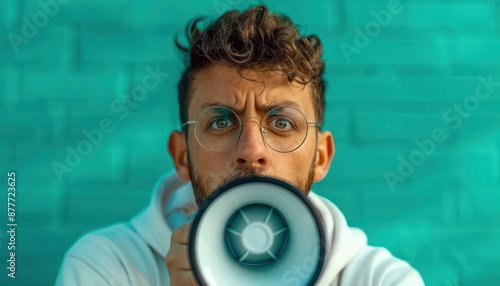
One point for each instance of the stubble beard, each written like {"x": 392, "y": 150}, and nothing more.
{"x": 203, "y": 188}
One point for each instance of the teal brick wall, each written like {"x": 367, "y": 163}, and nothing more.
{"x": 80, "y": 61}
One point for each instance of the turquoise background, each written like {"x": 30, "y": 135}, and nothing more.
{"x": 398, "y": 87}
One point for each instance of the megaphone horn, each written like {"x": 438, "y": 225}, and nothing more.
{"x": 257, "y": 231}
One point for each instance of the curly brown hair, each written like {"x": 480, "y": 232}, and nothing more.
{"x": 253, "y": 39}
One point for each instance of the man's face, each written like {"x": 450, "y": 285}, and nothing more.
{"x": 222, "y": 86}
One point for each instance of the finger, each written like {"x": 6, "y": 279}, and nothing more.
{"x": 181, "y": 235}
{"x": 184, "y": 278}
{"x": 178, "y": 257}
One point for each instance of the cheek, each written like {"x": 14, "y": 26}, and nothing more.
{"x": 206, "y": 162}
{"x": 301, "y": 164}
{"x": 195, "y": 153}
{"x": 291, "y": 164}
{"x": 302, "y": 160}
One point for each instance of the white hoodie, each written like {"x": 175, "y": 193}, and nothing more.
{"x": 133, "y": 253}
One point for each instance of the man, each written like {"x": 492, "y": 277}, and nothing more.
{"x": 251, "y": 103}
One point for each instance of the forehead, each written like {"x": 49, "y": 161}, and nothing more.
{"x": 221, "y": 85}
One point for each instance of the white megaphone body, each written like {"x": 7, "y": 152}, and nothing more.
{"x": 257, "y": 231}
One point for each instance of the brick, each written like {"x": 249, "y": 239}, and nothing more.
{"x": 4, "y": 11}
{"x": 443, "y": 164}
{"x": 172, "y": 118}
{"x": 105, "y": 205}
{"x": 41, "y": 171}
{"x": 54, "y": 240}
{"x": 11, "y": 78}
{"x": 381, "y": 3}
{"x": 363, "y": 162}
{"x": 150, "y": 165}
{"x": 448, "y": 162}
{"x": 127, "y": 118}
{"x": 59, "y": 114}
{"x": 79, "y": 122}
{"x": 28, "y": 273}
{"x": 337, "y": 119}
{"x": 423, "y": 205}
{"x": 71, "y": 86}
{"x": 460, "y": 250}
{"x": 344, "y": 193}
{"x": 468, "y": 245}
{"x": 6, "y": 152}
{"x": 160, "y": 12}
{"x": 74, "y": 111}
{"x": 149, "y": 158}
{"x": 497, "y": 15}
{"x": 464, "y": 17}
{"x": 440, "y": 274}
{"x": 26, "y": 127}
{"x": 111, "y": 11}
{"x": 479, "y": 127}
{"x": 359, "y": 14}
{"x": 481, "y": 274}
{"x": 160, "y": 91}
{"x": 117, "y": 47}
{"x": 147, "y": 112}
{"x": 398, "y": 50}
{"x": 448, "y": 188}
{"x": 163, "y": 13}
{"x": 415, "y": 121}
{"x": 478, "y": 164}
{"x": 175, "y": 16}
{"x": 50, "y": 46}
{"x": 41, "y": 198}
{"x": 336, "y": 183}
{"x": 3, "y": 89}
{"x": 104, "y": 162}
{"x": 40, "y": 264}
{"x": 393, "y": 87}
{"x": 396, "y": 236}
{"x": 35, "y": 165}
{"x": 477, "y": 52}
{"x": 21, "y": 153}
{"x": 310, "y": 17}
{"x": 47, "y": 259}
{"x": 469, "y": 208}
{"x": 479, "y": 203}
{"x": 8, "y": 12}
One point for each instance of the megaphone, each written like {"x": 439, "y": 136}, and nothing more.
{"x": 257, "y": 231}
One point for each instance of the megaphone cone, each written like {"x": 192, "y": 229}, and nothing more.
{"x": 257, "y": 231}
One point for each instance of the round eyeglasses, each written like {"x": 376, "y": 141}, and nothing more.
{"x": 218, "y": 128}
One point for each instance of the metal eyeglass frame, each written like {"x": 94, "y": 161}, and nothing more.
{"x": 262, "y": 129}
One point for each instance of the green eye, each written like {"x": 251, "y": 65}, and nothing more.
{"x": 220, "y": 123}
{"x": 281, "y": 124}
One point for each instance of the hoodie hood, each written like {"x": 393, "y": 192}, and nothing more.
{"x": 343, "y": 242}
{"x": 171, "y": 206}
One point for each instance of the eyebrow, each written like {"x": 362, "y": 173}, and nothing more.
{"x": 260, "y": 108}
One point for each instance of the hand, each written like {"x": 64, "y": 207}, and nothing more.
{"x": 177, "y": 260}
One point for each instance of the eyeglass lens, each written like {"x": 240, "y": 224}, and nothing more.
{"x": 284, "y": 129}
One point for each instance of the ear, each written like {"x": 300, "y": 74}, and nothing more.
{"x": 177, "y": 148}
{"x": 324, "y": 155}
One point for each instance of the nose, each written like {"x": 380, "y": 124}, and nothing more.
{"x": 251, "y": 149}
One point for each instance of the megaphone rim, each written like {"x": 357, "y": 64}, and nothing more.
{"x": 255, "y": 179}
